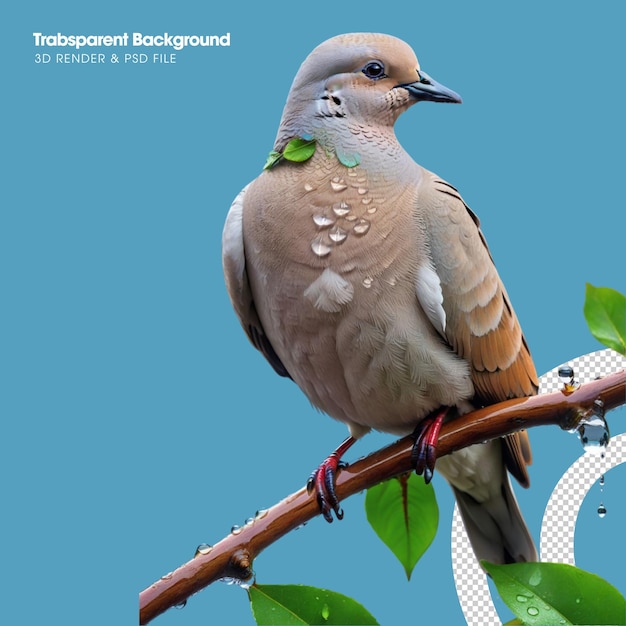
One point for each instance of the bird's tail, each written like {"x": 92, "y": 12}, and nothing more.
{"x": 495, "y": 527}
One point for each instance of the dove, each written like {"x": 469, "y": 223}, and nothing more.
{"x": 366, "y": 279}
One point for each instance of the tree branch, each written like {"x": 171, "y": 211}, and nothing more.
{"x": 233, "y": 556}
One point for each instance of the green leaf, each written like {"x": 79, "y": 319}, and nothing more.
{"x": 272, "y": 158}
{"x": 555, "y": 593}
{"x": 299, "y": 150}
{"x": 403, "y": 511}
{"x": 605, "y": 312}
{"x": 288, "y": 605}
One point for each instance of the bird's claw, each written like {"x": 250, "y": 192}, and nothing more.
{"x": 322, "y": 481}
{"x": 424, "y": 452}
{"x": 423, "y": 458}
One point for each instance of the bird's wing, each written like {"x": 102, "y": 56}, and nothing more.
{"x": 234, "y": 263}
{"x": 480, "y": 324}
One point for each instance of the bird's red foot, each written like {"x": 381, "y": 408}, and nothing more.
{"x": 426, "y": 435}
{"x": 322, "y": 480}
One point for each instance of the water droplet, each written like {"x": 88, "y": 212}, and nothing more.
{"x": 320, "y": 247}
{"x": 308, "y": 187}
{"x": 594, "y": 432}
{"x": 567, "y": 379}
{"x": 249, "y": 521}
{"x": 372, "y": 210}
{"x": 578, "y": 600}
{"x": 203, "y": 548}
{"x": 261, "y": 513}
{"x": 338, "y": 184}
{"x": 366, "y": 201}
{"x": 338, "y": 235}
{"x": 181, "y": 605}
{"x": 361, "y": 227}
{"x": 361, "y": 179}
{"x": 601, "y": 510}
{"x": 351, "y": 218}
{"x": 521, "y": 598}
{"x": 602, "y": 480}
{"x": 367, "y": 282}
{"x": 532, "y": 610}
{"x": 323, "y": 221}
{"x": 362, "y": 191}
{"x": 235, "y": 530}
{"x": 325, "y": 612}
{"x": 167, "y": 576}
{"x": 341, "y": 209}
{"x": 566, "y": 373}
{"x": 535, "y": 578}
{"x": 244, "y": 584}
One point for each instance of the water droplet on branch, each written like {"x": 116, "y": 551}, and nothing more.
{"x": 567, "y": 379}
{"x": 593, "y": 430}
{"x": 203, "y": 548}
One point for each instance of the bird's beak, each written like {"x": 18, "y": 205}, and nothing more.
{"x": 428, "y": 89}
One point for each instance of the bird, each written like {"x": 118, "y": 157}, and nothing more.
{"x": 366, "y": 279}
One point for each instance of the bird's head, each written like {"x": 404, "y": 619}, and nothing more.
{"x": 356, "y": 80}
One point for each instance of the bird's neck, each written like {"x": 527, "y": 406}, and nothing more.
{"x": 350, "y": 143}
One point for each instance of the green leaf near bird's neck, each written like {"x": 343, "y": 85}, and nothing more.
{"x": 272, "y": 158}
{"x": 297, "y": 150}
{"x": 301, "y": 149}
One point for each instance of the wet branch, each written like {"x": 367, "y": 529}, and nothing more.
{"x": 233, "y": 556}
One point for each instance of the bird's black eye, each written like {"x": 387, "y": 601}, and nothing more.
{"x": 374, "y": 70}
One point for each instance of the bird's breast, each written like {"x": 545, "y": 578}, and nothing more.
{"x": 327, "y": 237}
{"x": 321, "y": 214}
{"x": 332, "y": 256}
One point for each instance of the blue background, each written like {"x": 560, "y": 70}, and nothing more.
{"x": 137, "y": 421}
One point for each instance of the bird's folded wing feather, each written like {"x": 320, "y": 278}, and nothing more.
{"x": 481, "y": 325}
{"x": 234, "y": 262}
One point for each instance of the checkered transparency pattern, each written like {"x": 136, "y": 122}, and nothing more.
{"x": 559, "y": 521}
{"x": 586, "y": 368}
{"x": 471, "y": 582}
